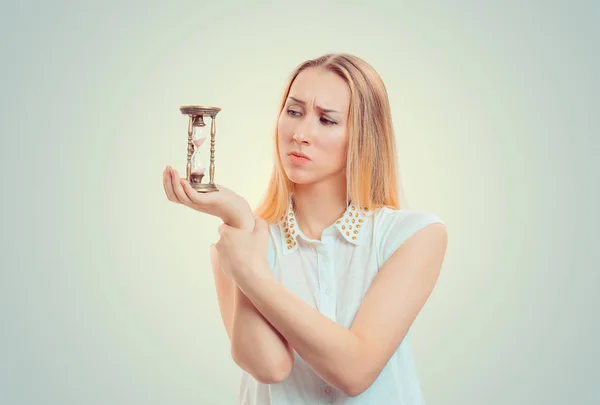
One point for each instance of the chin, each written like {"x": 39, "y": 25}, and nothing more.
{"x": 299, "y": 179}
{"x": 299, "y": 176}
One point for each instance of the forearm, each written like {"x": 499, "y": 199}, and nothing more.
{"x": 331, "y": 350}
{"x": 256, "y": 346}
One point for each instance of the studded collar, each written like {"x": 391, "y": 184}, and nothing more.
{"x": 349, "y": 225}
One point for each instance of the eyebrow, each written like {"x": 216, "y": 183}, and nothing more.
{"x": 318, "y": 108}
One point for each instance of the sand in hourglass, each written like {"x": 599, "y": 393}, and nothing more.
{"x": 198, "y": 168}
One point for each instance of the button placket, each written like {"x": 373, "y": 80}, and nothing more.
{"x": 326, "y": 280}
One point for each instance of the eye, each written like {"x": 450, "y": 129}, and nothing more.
{"x": 293, "y": 113}
{"x": 327, "y": 122}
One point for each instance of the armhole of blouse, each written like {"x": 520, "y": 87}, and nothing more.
{"x": 271, "y": 253}
{"x": 376, "y": 238}
{"x": 408, "y": 226}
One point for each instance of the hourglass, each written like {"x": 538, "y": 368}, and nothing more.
{"x": 198, "y": 133}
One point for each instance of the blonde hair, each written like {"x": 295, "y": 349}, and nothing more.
{"x": 371, "y": 158}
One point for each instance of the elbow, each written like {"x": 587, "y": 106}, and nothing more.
{"x": 357, "y": 382}
{"x": 277, "y": 372}
{"x": 263, "y": 372}
{"x": 285, "y": 369}
{"x": 354, "y": 389}
{"x": 274, "y": 377}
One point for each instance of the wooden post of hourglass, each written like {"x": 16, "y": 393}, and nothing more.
{"x": 213, "y": 128}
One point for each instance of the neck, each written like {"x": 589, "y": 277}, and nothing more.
{"x": 318, "y": 205}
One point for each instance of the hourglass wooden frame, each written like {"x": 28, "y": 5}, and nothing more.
{"x": 196, "y": 114}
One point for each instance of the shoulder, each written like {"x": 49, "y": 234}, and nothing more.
{"x": 392, "y": 227}
{"x": 387, "y": 218}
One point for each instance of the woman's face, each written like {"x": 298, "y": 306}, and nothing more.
{"x": 314, "y": 122}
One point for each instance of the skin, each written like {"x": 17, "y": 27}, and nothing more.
{"x": 348, "y": 359}
{"x": 255, "y": 345}
{"x": 232, "y": 208}
{"x": 304, "y": 126}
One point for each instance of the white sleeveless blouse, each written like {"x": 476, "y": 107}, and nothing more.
{"x": 333, "y": 275}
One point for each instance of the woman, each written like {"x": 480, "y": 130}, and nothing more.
{"x": 318, "y": 287}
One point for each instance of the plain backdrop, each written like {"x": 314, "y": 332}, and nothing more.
{"x": 106, "y": 292}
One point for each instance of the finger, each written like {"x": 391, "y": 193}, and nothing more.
{"x": 189, "y": 191}
{"x": 186, "y": 193}
{"x": 164, "y": 181}
{"x": 167, "y": 185}
{"x": 178, "y": 189}
{"x": 224, "y": 228}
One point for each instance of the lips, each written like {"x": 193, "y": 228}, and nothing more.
{"x": 299, "y": 155}
{"x": 297, "y": 160}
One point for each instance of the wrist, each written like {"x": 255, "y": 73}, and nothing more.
{"x": 240, "y": 221}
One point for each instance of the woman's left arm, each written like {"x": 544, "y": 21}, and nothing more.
{"x": 351, "y": 360}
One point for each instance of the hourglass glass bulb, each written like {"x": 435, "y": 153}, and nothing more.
{"x": 198, "y": 167}
{"x": 199, "y": 141}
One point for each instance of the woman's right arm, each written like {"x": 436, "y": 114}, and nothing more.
{"x": 256, "y": 346}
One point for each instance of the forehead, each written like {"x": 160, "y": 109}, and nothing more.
{"x": 323, "y": 87}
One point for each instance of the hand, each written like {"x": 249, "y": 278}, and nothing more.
{"x": 232, "y": 208}
{"x": 243, "y": 252}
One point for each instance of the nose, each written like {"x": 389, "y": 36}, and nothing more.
{"x": 299, "y": 137}
{"x": 303, "y": 132}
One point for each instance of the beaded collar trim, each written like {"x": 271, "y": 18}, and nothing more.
{"x": 349, "y": 226}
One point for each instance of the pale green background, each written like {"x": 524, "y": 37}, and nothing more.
{"x": 106, "y": 294}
